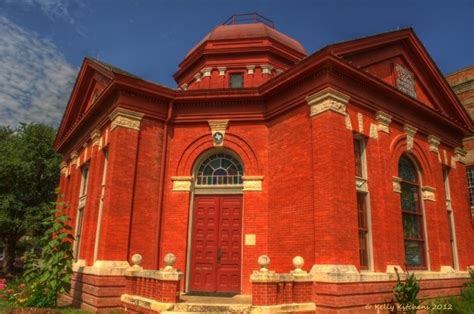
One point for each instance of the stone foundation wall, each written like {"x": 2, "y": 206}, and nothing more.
{"x": 96, "y": 293}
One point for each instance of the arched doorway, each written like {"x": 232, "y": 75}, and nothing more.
{"x": 216, "y": 225}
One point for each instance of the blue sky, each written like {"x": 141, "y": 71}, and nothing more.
{"x": 43, "y": 42}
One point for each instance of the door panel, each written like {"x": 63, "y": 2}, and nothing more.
{"x": 228, "y": 270}
{"x": 216, "y": 244}
{"x": 204, "y": 243}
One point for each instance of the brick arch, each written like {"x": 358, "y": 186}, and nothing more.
{"x": 418, "y": 154}
{"x": 232, "y": 142}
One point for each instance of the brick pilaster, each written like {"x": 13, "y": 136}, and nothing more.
{"x": 123, "y": 144}
{"x": 335, "y": 213}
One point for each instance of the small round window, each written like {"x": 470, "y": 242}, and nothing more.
{"x": 219, "y": 169}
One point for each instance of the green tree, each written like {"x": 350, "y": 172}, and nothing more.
{"x": 28, "y": 178}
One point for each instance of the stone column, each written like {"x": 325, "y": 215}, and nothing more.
{"x": 117, "y": 211}
{"x": 335, "y": 212}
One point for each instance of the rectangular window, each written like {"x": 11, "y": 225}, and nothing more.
{"x": 236, "y": 80}
{"x": 85, "y": 175}
{"x": 80, "y": 210}
{"x": 470, "y": 184}
{"x": 363, "y": 230}
{"x": 452, "y": 235}
{"x": 358, "y": 157}
{"x": 83, "y": 188}
{"x": 77, "y": 236}
{"x": 363, "y": 213}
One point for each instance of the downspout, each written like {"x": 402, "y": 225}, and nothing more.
{"x": 159, "y": 229}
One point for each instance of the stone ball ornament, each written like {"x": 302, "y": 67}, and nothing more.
{"x": 298, "y": 263}
{"x": 263, "y": 261}
{"x": 170, "y": 260}
{"x": 136, "y": 259}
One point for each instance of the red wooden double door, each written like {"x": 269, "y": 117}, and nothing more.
{"x": 216, "y": 244}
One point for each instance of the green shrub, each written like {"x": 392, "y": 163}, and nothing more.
{"x": 457, "y": 305}
{"x": 48, "y": 275}
{"x": 406, "y": 292}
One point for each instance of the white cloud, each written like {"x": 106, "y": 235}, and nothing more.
{"x": 53, "y": 9}
{"x": 35, "y": 79}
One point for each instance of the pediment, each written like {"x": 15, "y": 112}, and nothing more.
{"x": 400, "y": 60}
{"x": 92, "y": 79}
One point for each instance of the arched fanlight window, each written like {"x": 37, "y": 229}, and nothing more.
{"x": 219, "y": 169}
{"x": 412, "y": 214}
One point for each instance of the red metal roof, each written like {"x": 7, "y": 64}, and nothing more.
{"x": 248, "y": 31}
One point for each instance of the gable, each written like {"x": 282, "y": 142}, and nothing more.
{"x": 392, "y": 65}
{"x": 400, "y": 60}
{"x": 91, "y": 81}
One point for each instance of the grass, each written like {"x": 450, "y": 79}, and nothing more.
{"x": 4, "y": 306}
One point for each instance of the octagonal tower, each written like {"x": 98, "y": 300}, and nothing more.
{"x": 245, "y": 51}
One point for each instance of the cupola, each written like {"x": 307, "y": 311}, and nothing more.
{"x": 245, "y": 51}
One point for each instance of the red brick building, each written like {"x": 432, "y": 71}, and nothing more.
{"x": 462, "y": 83}
{"x": 349, "y": 157}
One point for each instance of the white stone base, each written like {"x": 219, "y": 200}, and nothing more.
{"x": 146, "y": 303}
{"x": 335, "y": 273}
{"x": 349, "y": 273}
{"x": 283, "y": 308}
{"x": 102, "y": 268}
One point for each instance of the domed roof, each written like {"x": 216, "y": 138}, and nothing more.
{"x": 249, "y": 31}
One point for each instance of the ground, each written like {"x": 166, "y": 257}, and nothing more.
{"x": 4, "y": 306}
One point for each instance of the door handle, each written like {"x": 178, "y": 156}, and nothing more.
{"x": 219, "y": 255}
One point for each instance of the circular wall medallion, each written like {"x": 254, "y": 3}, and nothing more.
{"x": 218, "y": 137}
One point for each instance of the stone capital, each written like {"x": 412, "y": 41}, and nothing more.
{"x": 197, "y": 77}
{"x": 396, "y": 184}
{"x": 182, "y": 184}
{"x": 250, "y": 69}
{"x": 206, "y": 72}
{"x": 428, "y": 193}
{"x": 410, "y": 132}
{"x": 253, "y": 183}
{"x": 221, "y": 70}
{"x": 383, "y": 121}
{"x": 328, "y": 99}
{"x": 266, "y": 69}
{"x": 409, "y": 129}
{"x": 433, "y": 143}
{"x": 460, "y": 155}
{"x": 126, "y": 119}
{"x": 63, "y": 168}
{"x": 95, "y": 137}
{"x": 74, "y": 158}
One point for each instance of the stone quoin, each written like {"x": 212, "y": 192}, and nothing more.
{"x": 338, "y": 166}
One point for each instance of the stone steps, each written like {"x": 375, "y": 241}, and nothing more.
{"x": 210, "y": 309}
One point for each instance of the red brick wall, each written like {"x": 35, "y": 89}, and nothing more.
{"x": 290, "y": 182}
{"x": 96, "y": 292}
{"x": 145, "y": 208}
{"x": 115, "y": 233}
{"x": 335, "y": 215}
